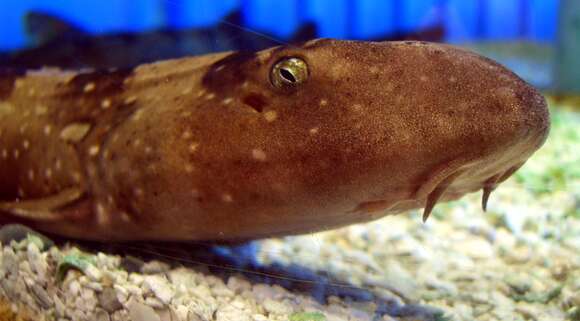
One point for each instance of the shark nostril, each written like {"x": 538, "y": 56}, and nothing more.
{"x": 256, "y": 101}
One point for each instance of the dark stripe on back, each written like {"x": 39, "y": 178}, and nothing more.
{"x": 230, "y": 71}
{"x": 106, "y": 83}
{"x": 8, "y": 77}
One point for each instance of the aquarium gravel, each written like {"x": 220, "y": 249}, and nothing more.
{"x": 518, "y": 261}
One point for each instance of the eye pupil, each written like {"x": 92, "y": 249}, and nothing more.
{"x": 287, "y": 74}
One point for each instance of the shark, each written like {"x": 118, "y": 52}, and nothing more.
{"x": 242, "y": 145}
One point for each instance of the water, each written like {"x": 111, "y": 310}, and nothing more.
{"x": 516, "y": 261}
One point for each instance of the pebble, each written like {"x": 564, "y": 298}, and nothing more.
{"x": 108, "y": 300}
{"x": 93, "y": 273}
{"x": 476, "y": 248}
{"x": 160, "y": 286}
{"x": 276, "y": 307}
{"x": 155, "y": 267}
{"x": 229, "y": 313}
{"x": 141, "y": 312}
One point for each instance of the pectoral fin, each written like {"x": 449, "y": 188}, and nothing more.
{"x": 43, "y": 209}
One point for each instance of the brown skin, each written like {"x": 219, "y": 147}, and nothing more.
{"x": 208, "y": 148}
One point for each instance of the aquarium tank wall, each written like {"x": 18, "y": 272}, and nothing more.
{"x": 525, "y": 35}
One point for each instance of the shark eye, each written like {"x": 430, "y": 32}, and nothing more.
{"x": 289, "y": 73}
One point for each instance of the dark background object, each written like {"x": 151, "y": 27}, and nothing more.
{"x": 471, "y": 20}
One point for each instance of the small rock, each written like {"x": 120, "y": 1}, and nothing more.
{"x": 59, "y": 306}
{"x": 18, "y": 232}
{"x": 154, "y": 303}
{"x": 263, "y": 292}
{"x": 259, "y": 317}
{"x": 167, "y": 315}
{"x": 222, "y": 291}
{"x": 74, "y": 288}
{"x": 181, "y": 312}
{"x": 131, "y": 264}
{"x": 155, "y": 267}
{"x": 160, "y": 287}
{"x": 41, "y": 296}
{"x": 102, "y": 315}
{"x": 93, "y": 273}
{"x": 477, "y": 248}
{"x": 238, "y": 284}
{"x": 9, "y": 261}
{"x": 229, "y": 313}
{"x": 141, "y": 312}
{"x": 276, "y": 307}
{"x": 108, "y": 300}
{"x": 37, "y": 262}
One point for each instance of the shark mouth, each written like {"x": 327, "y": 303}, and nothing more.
{"x": 442, "y": 180}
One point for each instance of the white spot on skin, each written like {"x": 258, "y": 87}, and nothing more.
{"x": 6, "y": 108}
{"x": 16, "y": 153}
{"x": 76, "y": 176}
{"x": 323, "y": 102}
{"x": 227, "y": 101}
{"x": 452, "y": 79}
{"x": 94, "y": 150}
{"x": 75, "y": 132}
{"x": 186, "y": 135}
{"x": 227, "y": 198}
{"x": 424, "y": 78}
{"x": 22, "y": 128}
{"x": 138, "y": 192}
{"x": 200, "y": 93}
{"x": 186, "y": 114}
{"x": 25, "y": 144}
{"x": 89, "y": 87}
{"x": 47, "y": 130}
{"x": 188, "y": 168}
{"x": 31, "y": 174}
{"x": 313, "y": 131}
{"x": 193, "y": 147}
{"x": 356, "y": 107}
{"x": 130, "y": 100}
{"x": 148, "y": 150}
{"x": 48, "y": 173}
{"x": 270, "y": 116}
{"x": 125, "y": 217}
{"x": 106, "y": 103}
{"x": 4, "y": 153}
{"x": 210, "y": 96}
{"x": 258, "y": 154}
{"x": 58, "y": 165}
{"x": 138, "y": 114}
{"x": 102, "y": 217}
{"x": 186, "y": 91}
{"x": 41, "y": 110}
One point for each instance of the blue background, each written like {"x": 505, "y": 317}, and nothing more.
{"x": 464, "y": 20}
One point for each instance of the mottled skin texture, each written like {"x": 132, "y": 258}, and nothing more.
{"x": 207, "y": 148}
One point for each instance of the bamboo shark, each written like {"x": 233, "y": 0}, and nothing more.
{"x": 234, "y": 145}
